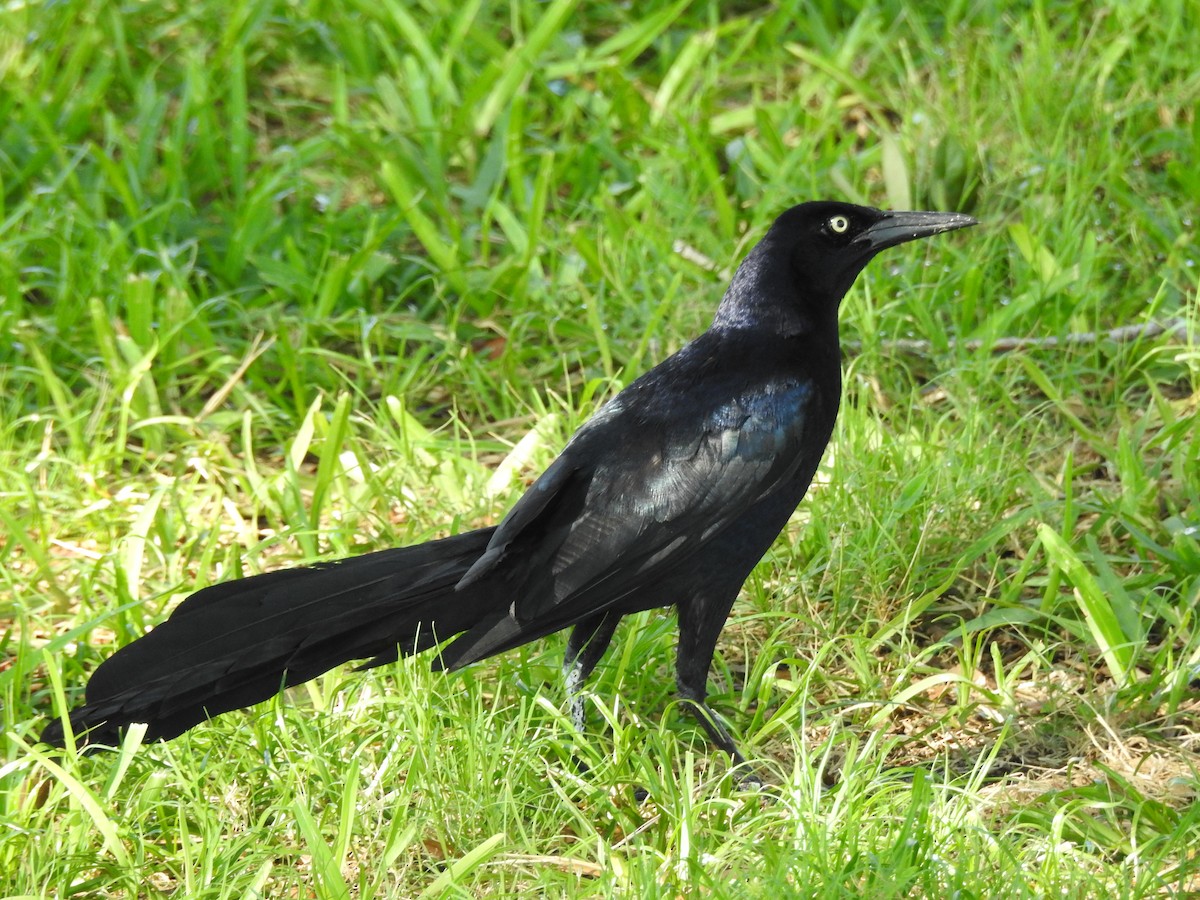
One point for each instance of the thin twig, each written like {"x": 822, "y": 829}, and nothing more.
{"x": 568, "y": 864}
{"x": 1176, "y": 328}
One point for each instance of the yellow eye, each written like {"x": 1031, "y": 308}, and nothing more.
{"x": 838, "y": 224}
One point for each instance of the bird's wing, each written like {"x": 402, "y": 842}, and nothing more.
{"x": 629, "y": 497}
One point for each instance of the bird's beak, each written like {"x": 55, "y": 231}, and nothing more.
{"x": 899, "y": 227}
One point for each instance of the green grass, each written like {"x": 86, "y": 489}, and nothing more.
{"x": 285, "y": 281}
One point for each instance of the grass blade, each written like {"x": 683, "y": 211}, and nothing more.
{"x": 1102, "y": 621}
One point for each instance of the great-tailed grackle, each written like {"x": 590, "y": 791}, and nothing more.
{"x": 669, "y": 495}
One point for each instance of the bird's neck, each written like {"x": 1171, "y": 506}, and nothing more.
{"x": 765, "y": 295}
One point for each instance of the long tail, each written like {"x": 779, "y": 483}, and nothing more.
{"x": 235, "y": 644}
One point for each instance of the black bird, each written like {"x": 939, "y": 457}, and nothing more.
{"x": 669, "y": 495}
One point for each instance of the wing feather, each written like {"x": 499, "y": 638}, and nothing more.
{"x": 644, "y": 509}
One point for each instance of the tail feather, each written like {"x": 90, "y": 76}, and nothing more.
{"x": 235, "y": 644}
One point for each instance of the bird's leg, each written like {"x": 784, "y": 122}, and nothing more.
{"x": 589, "y": 639}
{"x": 698, "y": 633}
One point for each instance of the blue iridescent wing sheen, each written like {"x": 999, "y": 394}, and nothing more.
{"x": 669, "y": 488}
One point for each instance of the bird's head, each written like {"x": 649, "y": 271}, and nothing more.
{"x": 829, "y": 243}
{"x": 814, "y": 252}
